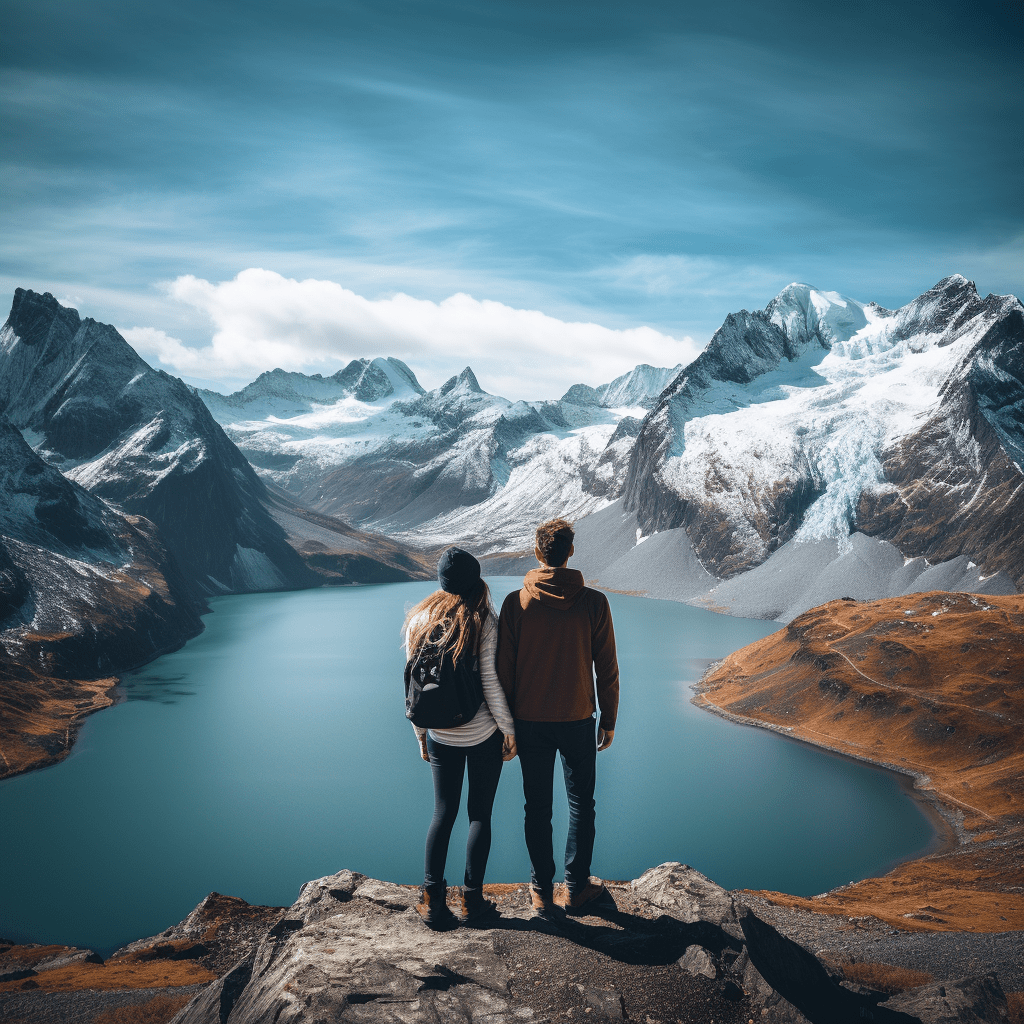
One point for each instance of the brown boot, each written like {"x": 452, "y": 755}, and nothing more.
{"x": 434, "y": 910}
{"x": 544, "y": 906}
{"x": 477, "y": 912}
{"x": 591, "y": 899}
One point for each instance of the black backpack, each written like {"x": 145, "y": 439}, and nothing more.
{"x": 441, "y": 693}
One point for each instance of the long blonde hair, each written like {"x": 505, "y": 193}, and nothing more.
{"x": 462, "y": 619}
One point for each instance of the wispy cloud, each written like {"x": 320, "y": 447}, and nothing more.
{"x": 648, "y": 164}
{"x": 687, "y": 276}
{"x": 261, "y": 320}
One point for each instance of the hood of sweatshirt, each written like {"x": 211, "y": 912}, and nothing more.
{"x": 557, "y": 588}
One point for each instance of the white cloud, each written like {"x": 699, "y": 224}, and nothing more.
{"x": 692, "y": 276}
{"x": 154, "y": 344}
{"x": 262, "y": 320}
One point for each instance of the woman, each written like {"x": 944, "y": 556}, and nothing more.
{"x": 468, "y": 625}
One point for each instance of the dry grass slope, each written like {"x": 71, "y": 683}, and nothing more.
{"x": 40, "y": 715}
{"x": 931, "y": 684}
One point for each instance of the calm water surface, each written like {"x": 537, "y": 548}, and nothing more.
{"x": 273, "y": 749}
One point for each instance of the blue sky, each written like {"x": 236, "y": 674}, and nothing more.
{"x": 644, "y": 167}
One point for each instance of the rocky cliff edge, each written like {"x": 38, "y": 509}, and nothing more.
{"x": 677, "y": 947}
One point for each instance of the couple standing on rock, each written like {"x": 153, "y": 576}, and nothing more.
{"x": 530, "y": 679}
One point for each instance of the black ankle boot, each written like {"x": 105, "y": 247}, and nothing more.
{"x": 434, "y": 910}
{"x": 476, "y": 910}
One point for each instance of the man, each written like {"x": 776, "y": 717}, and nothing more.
{"x": 553, "y": 635}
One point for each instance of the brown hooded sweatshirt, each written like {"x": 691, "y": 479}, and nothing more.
{"x": 552, "y": 637}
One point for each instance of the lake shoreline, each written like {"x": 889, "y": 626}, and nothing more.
{"x": 217, "y": 711}
{"x": 898, "y": 709}
{"x": 56, "y": 703}
{"x": 947, "y": 836}
{"x": 82, "y": 688}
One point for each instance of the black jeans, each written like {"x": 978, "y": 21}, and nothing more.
{"x": 448, "y": 765}
{"x": 576, "y": 742}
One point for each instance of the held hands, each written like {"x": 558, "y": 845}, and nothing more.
{"x": 508, "y": 748}
{"x": 604, "y": 738}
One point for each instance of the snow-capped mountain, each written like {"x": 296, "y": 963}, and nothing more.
{"x": 85, "y": 591}
{"x": 93, "y": 409}
{"x": 123, "y": 503}
{"x": 820, "y": 415}
{"x": 280, "y": 393}
{"x": 639, "y": 388}
{"x": 810, "y": 420}
{"x": 455, "y": 462}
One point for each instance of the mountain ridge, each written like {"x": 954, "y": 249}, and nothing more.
{"x": 796, "y": 424}
{"x": 143, "y": 439}
{"x": 831, "y": 465}
{"x": 86, "y": 592}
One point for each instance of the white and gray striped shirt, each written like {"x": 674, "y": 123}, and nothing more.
{"x": 493, "y": 713}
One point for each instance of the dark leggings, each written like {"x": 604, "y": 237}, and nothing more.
{"x": 448, "y": 765}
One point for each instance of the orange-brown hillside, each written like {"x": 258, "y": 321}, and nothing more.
{"x": 932, "y": 684}
{"x": 40, "y": 715}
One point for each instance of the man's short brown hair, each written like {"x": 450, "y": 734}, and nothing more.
{"x": 554, "y": 538}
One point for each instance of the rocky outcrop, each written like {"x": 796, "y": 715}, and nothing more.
{"x": 676, "y": 947}
{"x": 933, "y": 686}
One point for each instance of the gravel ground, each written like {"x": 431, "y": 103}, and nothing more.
{"x": 578, "y": 971}
{"x": 79, "y": 1007}
{"x": 944, "y": 955}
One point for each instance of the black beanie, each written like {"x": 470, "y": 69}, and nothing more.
{"x": 458, "y": 572}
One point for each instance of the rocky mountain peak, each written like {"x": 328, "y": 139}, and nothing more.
{"x": 581, "y": 394}
{"x": 141, "y": 438}
{"x": 809, "y": 316}
{"x": 399, "y": 374}
{"x": 641, "y": 386}
{"x": 33, "y": 316}
{"x": 67, "y": 377}
{"x": 744, "y": 347}
{"x": 348, "y": 375}
{"x": 955, "y": 283}
{"x": 946, "y": 308}
{"x": 465, "y": 381}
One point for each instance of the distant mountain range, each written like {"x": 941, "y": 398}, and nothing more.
{"x": 803, "y": 430}
{"x": 454, "y": 463}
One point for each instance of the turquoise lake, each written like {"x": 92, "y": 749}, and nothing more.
{"x": 273, "y": 749}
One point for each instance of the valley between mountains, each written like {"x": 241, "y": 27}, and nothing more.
{"x": 850, "y": 471}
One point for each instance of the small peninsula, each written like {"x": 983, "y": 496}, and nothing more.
{"x": 931, "y": 685}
